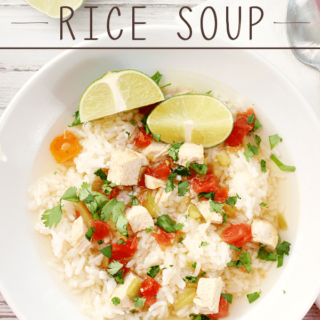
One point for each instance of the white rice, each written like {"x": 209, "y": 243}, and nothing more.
{"x": 98, "y": 139}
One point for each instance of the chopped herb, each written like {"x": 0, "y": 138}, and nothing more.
{"x": 188, "y": 164}
{"x": 182, "y": 188}
{"x": 114, "y": 267}
{"x": 216, "y": 207}
{"x": 100, "y": 173}
{"x": 120, "y": 241}
{"x": 134, "y": 200}
{"x": 204, "y": 244}
{"x": 199, "y": 317}
{"x": 284, "y": 291}
{"x": 208, "y": 92}
{"x": 149, "y": 229}
{"x": 133, "y": 311}
{"x": 76, "y": 120}
{"x": 157, "y": 77}
{"x": 251, "y": 151}
{"x": 207, "y": 195}
{"x": 266, "y": 255}
{"x": 258, "y": 140}
{"x": 262, "y": 245}
{"x": 166, "y": 85}
{"x": 194, "y": 265}
{"x": 282, "y": 166}
{"x": 235, "y": 263}
{"x": 128, "y": 133}
{"x": 170, "y": 186}
{"x": 225, "y": 218}
{"x": 180, "y": 240}
{"x": 280, "y": 260}
{"x": 100, "y": 242}
{"x": 55, "y": 172}
{"x": 70, "y": 195}
{"x": 121, "y": 225}
{"x": 228, "y": 297}
{"x": 115, "y": 301}
{"x": 90, "y": 233}
{"x": 281, "y": 250}
{"x": 119, "y": 277}
{"x": 245, "y": 260}
{"x": 253, "y": 296}
{"x": 274, "y": 140}
{"x": 263, "y": 166}
{"x": 115, "y": 207}
{"x": 156, "y": 137}
{"x": 186, "y": 216}
{"x": 182, "y": 171}
{"x": 138, "y": 302}
{"x": 191, "y": 279}
{"x": 52, "y": 217}
{"x": 256, "y": 125}
{"x": 250, "y": 118}
{"x": 199, "y": 168}
{"x": 132, "y": 122}
{"x": 167, "y": 224}
{"x": 171, "y": 265}
{"x": 234, "y": 247}
{"x": 262, "y": 204}
{"x": 231, "y": 201}
{"x": 174, "y": 150}
{"x": 153, "y": 271}
{"x": 107, "y": 251}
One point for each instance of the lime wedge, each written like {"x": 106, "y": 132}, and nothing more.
{"x": 196, "y": 118}
{"x": 52, "y": 7}
{"x": 118, "y": 91}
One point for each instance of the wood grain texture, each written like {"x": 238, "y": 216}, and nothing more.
{"x": 17, "y": 67}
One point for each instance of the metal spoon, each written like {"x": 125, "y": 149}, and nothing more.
{"x": 303, "y": 29}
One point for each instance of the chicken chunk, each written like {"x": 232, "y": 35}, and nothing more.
{"x": 139, "y": 218}
{"x": 208, "y": 295}
{"x": 265, "y": 232}
{"x": 152, "y": 182}
{"x": 157, "y": 151}
{"x": 121, "y": 291}
{"x": 125, "y": 167}
{"x": 79, "y": 241}
{"x": 204, "y": 208}
{"x": 190, "y": 152}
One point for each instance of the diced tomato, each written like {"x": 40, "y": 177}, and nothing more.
{"x": 223, "y": 310}
{"x": 149, "y": 289}
{"x": 209, "y": 183}
{"x": 243, "y": 269}
{"x": 143, "y": 139}
{"x": 122, "y": 261}
{"x": 65, "y": 147}
{"x": 162, "y": 170}
{"x": 164, "y": 238}
{"x": 124, "y": 250}
{"x": 240, "y": 129}
{"x": 238, "y": 234}
{"x": 101, "y": 230}
{"x": 77, "y": 214}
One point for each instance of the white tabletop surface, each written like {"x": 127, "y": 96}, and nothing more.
{"x": 17, "y": 66}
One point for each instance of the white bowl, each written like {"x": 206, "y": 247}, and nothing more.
{"x": 44, "y": 106}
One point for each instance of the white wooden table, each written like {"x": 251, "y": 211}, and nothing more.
{"x": 17, "y": 66}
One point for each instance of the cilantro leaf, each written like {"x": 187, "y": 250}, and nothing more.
{"x": 282, "y": 166}
{"x": 283, "y": 248}
{"x": 127, "y": 133}
{"x": 256, "y": 125}
{"x": 76, "y": 120}
{"x": 132, "y": 122}
{"x": 274, "y": 140}
{"x": 228, "y": 297}
{"x": 262, "y": 204}
{"x": 234, "y": 247}
{"x": 253, "y": 296}
{"x": 90, "y": 233}
{"x": 138, "y": 302}
{"x": 266, "y": 255}
{"x": 157, "y": 77}
{"x": 153, "y": 271}
{"x": 258, "y": 140}
{"x": 149, "y": 229}
{"x": 199, "y": 168}
{"x": 231, "y": 201}
{"x": 107, "y": 251}
{"x": 174, "y": 150}
{"x": 134, "y": 200}
{"x": 113, "y": 206}
{"x": 170, "y": 186}
{"x": 180, "y": 240}
{"x": 216, "y": 207}
{"x": 235, "y": 263}
{"x": 156, "y": 136}
{"x": 100, "y": 242}
{"x": 191, "y": 279}
{"x": 250, "y": 118}
{"x": 280, "y": 260}
{"x": 251, "y": 151}
{"x": 119, "y": 277}
{"x": 204, "y": 244}
{"x": 194, "y": 265}
{"x": 114, "y": 267}
{"x": 225, "y": 218}
{"x": 115, "y": 301}
{"x": 71, "y": 195}
{"x": 263, "y": 166}
{"x": 52, "y": 217}
{"x": 207, "y": 195}
{"x": 121, "y": 225}
{"x": 182, "y": 188}
{"x": 100, "y": 173}
{"x": 182, "y": 171}
{"x": 167, "y": 224}
{"x": 246, "y": 260}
